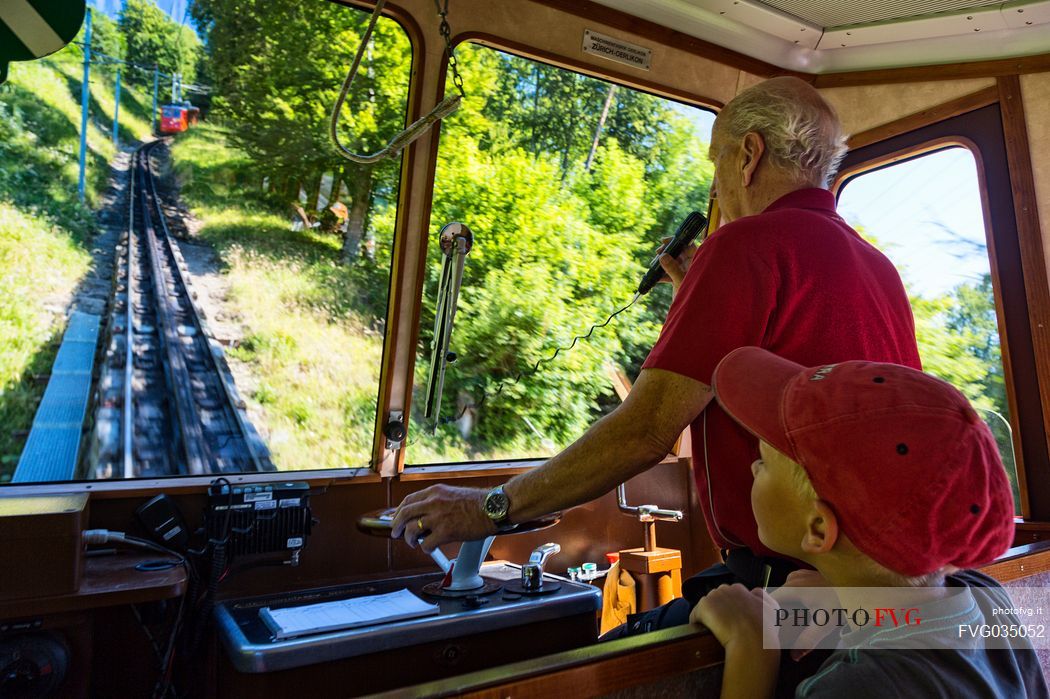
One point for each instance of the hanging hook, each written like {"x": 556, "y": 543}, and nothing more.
{"x": 415, "y": 129}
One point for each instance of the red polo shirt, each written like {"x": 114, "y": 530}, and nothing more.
{"x": 798, "y": 281}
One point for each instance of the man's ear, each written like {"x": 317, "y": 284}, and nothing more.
{"x": 753, "y": 148}
{"x": 822, "y": 529}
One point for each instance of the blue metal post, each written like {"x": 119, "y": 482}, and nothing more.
{"x": 116, "y": 111}
{"x": 156, "y": 77}
{"x": 85, "y": 94}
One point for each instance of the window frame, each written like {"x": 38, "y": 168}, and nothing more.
{"x": 981, "y": 131}
{"x": 119, "y": 488}
{"x": 509, "y": 467}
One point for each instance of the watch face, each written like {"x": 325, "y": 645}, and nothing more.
{"x": 497, "y": 504}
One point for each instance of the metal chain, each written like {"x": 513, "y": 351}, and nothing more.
{"x": 446, "y": 33}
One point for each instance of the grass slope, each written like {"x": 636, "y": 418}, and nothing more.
{"x": 44, "y": 229}
{"x": 315, "y": 355}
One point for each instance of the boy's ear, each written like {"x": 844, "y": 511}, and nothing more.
{"x": 822, "y": 529}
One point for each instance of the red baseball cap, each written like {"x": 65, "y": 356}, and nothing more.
{"x": 907, "y": 465}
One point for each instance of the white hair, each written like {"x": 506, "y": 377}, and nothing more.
{"x": 801, "y": 131}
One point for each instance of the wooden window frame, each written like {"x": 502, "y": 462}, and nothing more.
{"x": 980, "y": 124}
{"x": 440, "y": 471}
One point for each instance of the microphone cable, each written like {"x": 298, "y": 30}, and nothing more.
{"x": 535, "y": 367}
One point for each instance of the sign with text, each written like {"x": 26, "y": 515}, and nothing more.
{"x": 616, "y": 50}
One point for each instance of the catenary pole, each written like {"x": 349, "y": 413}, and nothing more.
{"x": 116, "y": 111}
{"x": 85, "y": 94}
{"x": 156, "y": 79}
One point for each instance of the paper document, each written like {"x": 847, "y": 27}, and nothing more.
{"x": 345, "y": 614}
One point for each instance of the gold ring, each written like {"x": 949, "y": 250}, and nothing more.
{"x": 419, "y": 523}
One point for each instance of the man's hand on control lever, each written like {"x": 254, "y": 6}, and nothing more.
{"x": 675, "y": 267}
{"x": 440, "y": 514}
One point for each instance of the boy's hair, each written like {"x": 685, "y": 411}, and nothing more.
{"x": 910, "y": 470}
{"x": 805, "y": 489}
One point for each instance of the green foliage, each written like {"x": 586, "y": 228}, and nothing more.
{"x": 37, "y": 260}
{"x": 278, "y": 66}
{"x": 153, "y": 38}
{"x": 44, "y": 229}
{"x": 106, "y": 36}
{"x": 958, "y": 336}
{"x": 314, "y": 353}
{"x": 558, "y": 247}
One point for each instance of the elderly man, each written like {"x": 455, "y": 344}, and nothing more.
{"x": 784, "y": 272}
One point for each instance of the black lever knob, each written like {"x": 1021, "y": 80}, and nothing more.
{"x": 394, "y": 430}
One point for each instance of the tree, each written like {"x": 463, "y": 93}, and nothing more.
{"x": 152, "y": 38}
{"x": 106, "y": 36}
{"x": 558, "y": 246}
{"x": 279, "y": 65}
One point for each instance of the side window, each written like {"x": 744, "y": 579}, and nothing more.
{"x": 925, "y": 213}
{"x": 567, "y": 183}
{"x": 287, "y": 247}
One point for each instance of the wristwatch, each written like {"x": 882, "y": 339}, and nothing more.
{"x": 497, "y": 507}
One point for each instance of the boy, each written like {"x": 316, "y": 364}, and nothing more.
{"x": 878, "y": 476}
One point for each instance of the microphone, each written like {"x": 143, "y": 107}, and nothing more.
{"x": 694, "y": 225}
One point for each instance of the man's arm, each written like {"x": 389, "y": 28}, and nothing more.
{"x": 638, "y": 434}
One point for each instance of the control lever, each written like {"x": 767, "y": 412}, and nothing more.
{"x": 657, "y": 570}
{"x": 647, "y": 514}
{"x": 455, "y": 241}
{"x": 462, "y": 574}
{"x": 532, "y": 572}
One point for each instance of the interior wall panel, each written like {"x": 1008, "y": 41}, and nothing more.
{"x": 863, "y": 108}
{"x": 559, "y": 33}
{"x": 1035, "y": 89}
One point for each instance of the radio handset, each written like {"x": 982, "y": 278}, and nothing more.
{"x": 693, "y": 226}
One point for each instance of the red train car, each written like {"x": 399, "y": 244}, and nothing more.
{"x": 173, "y": 118}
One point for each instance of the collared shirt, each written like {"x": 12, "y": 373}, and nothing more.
{"x": 798, "y": 281}
{"x": 957, "y": 668}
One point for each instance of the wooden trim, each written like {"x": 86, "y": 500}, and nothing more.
{"x": 577, "y": 66}
{"x": 952, "y": 71}
{"x": 1020, "y": 562}
{"x": 586, "y": 672}
{"x": 652, "y": 31}
{"x": 442, "y": 473}
{"x": 107, "y": 581}
{"x": 690, "y": 44}
{"x": 1033, "y": 261}
{"x": 402, "y": 226}
{"x": 982, "y": 131}
{"x": 135, "y": 487}
{"x": 421, "y": 268}
{"x": 490, "y": 468}
{"x": 962, "y": 105}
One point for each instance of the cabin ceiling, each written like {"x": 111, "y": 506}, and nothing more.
{"x": 830, "y": 14}
{"x": 826, "y": 36}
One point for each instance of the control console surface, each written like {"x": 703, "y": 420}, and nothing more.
{"x": 251, "y": 647}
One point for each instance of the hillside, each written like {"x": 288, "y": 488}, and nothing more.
{"x": 45, "y": 232}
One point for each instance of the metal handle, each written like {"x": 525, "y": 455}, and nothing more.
{"x": 645, "y": 513}
{"x": 532, "y": 572}
{"x": 455, "y": 241}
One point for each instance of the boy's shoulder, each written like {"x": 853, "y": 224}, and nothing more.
{"x": 870, "y": 671}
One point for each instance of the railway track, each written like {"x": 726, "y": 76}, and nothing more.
{"x": 166, "y": 401}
